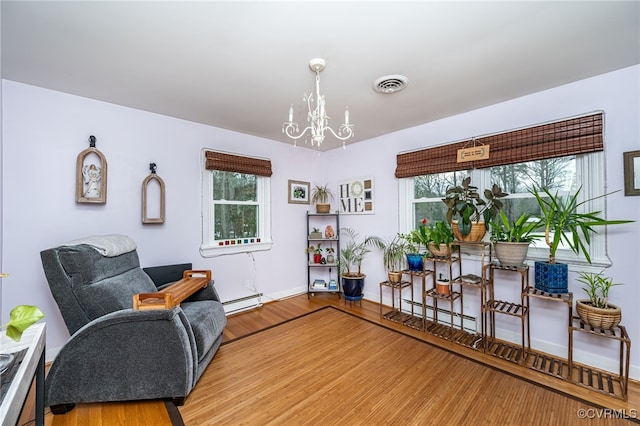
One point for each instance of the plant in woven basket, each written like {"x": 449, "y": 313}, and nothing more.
{"x": 465, "y": 203}
{"x": 597, "y": 311}
{"x": 320, "y": 196}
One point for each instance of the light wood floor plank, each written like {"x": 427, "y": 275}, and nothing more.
{"x": 273, "y": 313}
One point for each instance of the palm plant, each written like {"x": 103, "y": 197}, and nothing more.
{"x": 354, "y": 251}
{"x": 560, "y": 216}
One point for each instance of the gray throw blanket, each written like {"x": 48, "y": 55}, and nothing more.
{"x": 107, "y": 245}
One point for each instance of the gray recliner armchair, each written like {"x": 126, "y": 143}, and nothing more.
{"x": 116, "y": 353}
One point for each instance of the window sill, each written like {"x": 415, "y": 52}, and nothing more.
{"x": 214, "y": 251}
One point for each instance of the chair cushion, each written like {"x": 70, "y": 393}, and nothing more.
{"x": 87, "y": 265}
{"x": 113, "y": 293}
{"x": 207, "y": 319}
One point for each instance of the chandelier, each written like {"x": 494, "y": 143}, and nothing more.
{"x": 317, "y": 118}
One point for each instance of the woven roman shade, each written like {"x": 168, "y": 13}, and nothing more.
{"x": 237, "y": 163}
{"x": 579, "y": 135}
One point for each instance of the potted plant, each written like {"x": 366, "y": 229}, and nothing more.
{"x": 315, "y": 234}
{"x": 511, "y": 239}
{"x": 393, "y": 255}
{"x": 330, "y": 254}
{"x": 320, "y": 195}
{"x": 440, "y": 239}
{"x": 415, "y": 240}
{"x": 317, "y": 252}
{"x": 442, "y": 285}
{"x": 597, "y": 311}
{"x": 351, "y": 257}
{"x": 465, "y": 203}
{"x": 562, "y": 221}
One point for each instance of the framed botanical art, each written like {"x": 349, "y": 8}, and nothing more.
{"x": 298, "y": 192}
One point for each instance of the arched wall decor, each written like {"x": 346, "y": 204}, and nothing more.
{"x": 145, "y": 185}
{"x": 91, "y": 175}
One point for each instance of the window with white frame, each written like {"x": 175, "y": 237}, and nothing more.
{"x": 421, "y": 195}
{"x": 235, "y": 205}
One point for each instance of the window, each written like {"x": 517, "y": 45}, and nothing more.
{"x": 421, "y": 196}
{"x": 562, "y": 156}
{"x": 235, "y": 205}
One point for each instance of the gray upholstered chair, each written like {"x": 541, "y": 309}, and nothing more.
{"x": 116, "y": 353}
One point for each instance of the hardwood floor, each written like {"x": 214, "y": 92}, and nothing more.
{"x": 241, "y": 324}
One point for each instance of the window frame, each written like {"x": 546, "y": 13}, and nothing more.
{"x": 210, "y": 247}
{"x": 590, "y": 175}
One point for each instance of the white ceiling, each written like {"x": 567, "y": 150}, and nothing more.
{"x": 239, "y": 65}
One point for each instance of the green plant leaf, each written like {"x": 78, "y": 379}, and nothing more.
{"x": 21, "y": 318}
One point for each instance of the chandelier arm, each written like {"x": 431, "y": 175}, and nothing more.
{"x": 347, "y": 129}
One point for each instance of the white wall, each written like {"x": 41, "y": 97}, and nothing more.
{"x": 45, "y": 130}
{"x": 43, "y": 133}
{"x": 618, "y": 95}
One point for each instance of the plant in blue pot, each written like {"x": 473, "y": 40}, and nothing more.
{"x": 563, "y": 222}
{"x": 351, "y": 256}
{"x": 417, "y": 244}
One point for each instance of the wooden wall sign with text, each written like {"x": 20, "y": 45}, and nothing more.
{"x": 480, "y": 152}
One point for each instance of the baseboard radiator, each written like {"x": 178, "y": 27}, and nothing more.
{"x": 444, "y": 315}
{"x": 242, "y": 303}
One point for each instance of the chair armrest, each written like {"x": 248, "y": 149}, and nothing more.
{"x": 132, "y": 354}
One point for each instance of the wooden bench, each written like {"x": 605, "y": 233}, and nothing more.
{"x": 173, "y": 294}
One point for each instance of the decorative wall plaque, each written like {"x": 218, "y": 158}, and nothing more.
{"x": 91, "y": 175}
{"x": 153, "y": 177}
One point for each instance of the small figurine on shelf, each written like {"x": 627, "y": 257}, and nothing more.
{"x": 329, "y": 232}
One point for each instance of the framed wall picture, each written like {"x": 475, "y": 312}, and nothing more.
{"x": 356, "y": 196}
{"x": 298, "y": 192}
{"x": 632, "y": 173}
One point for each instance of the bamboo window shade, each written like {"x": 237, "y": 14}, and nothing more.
{"x": 237, "y": 163}
{"x": 579, "y": 135}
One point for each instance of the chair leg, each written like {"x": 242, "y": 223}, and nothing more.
{"x": 61, "y": 408}
{"x": 179, "y": 401}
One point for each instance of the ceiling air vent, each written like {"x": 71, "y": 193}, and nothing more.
{"x": 390, "y": 83}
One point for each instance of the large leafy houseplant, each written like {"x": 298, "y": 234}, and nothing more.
{"x": 465, "y": 204}
{"x": 562, "y": 221}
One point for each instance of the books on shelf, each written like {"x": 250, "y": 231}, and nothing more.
{"x": 318, "y": 283}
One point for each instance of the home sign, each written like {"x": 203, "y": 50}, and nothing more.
{"x": 356, "y": 196}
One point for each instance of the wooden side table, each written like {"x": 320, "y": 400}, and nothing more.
{"x": 32, "y": 365}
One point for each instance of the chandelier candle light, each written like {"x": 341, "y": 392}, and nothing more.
{"x": 317, "y": 117}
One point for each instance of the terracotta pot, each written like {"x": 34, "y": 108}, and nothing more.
{"x": 442, "y": 287}
{"x": 602, "y": 318}
{"x": 478, "y": 230}
{"x": 317, "y": 258}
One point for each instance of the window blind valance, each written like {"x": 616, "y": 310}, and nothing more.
{"x": 237, "y": 163}
{"x": 574, "y": 136}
